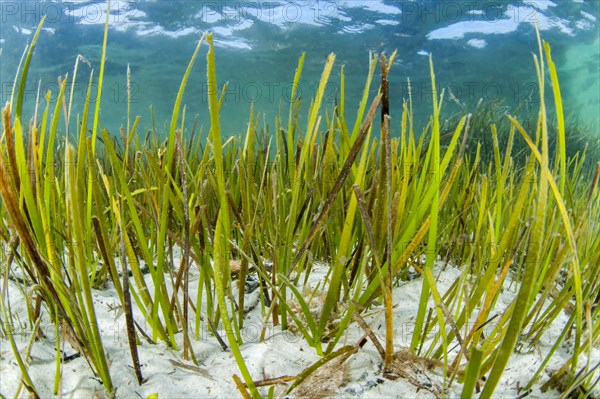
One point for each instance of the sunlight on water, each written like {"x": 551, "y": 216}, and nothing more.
{"x": 481, "y": 50}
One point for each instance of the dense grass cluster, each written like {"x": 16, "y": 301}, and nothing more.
{"x": 374, "y": 205}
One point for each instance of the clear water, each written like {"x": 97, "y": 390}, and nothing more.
{"x": 481, "y": 50}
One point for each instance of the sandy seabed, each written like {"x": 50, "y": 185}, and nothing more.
{"x": 281, "y": 353}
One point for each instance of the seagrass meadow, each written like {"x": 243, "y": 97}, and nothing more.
{"x": 320, "y": 223}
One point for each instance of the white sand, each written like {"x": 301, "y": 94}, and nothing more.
{"x": 282, "y": 353}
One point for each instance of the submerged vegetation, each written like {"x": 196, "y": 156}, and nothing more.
{"x": 377, "y": 206}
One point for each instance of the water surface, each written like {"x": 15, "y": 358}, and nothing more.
{"x": 481, "y": 50}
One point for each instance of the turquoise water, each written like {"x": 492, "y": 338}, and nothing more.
{"x": 481, "y": 50}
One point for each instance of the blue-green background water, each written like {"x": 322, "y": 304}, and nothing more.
{"x": 481, "y": 50}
